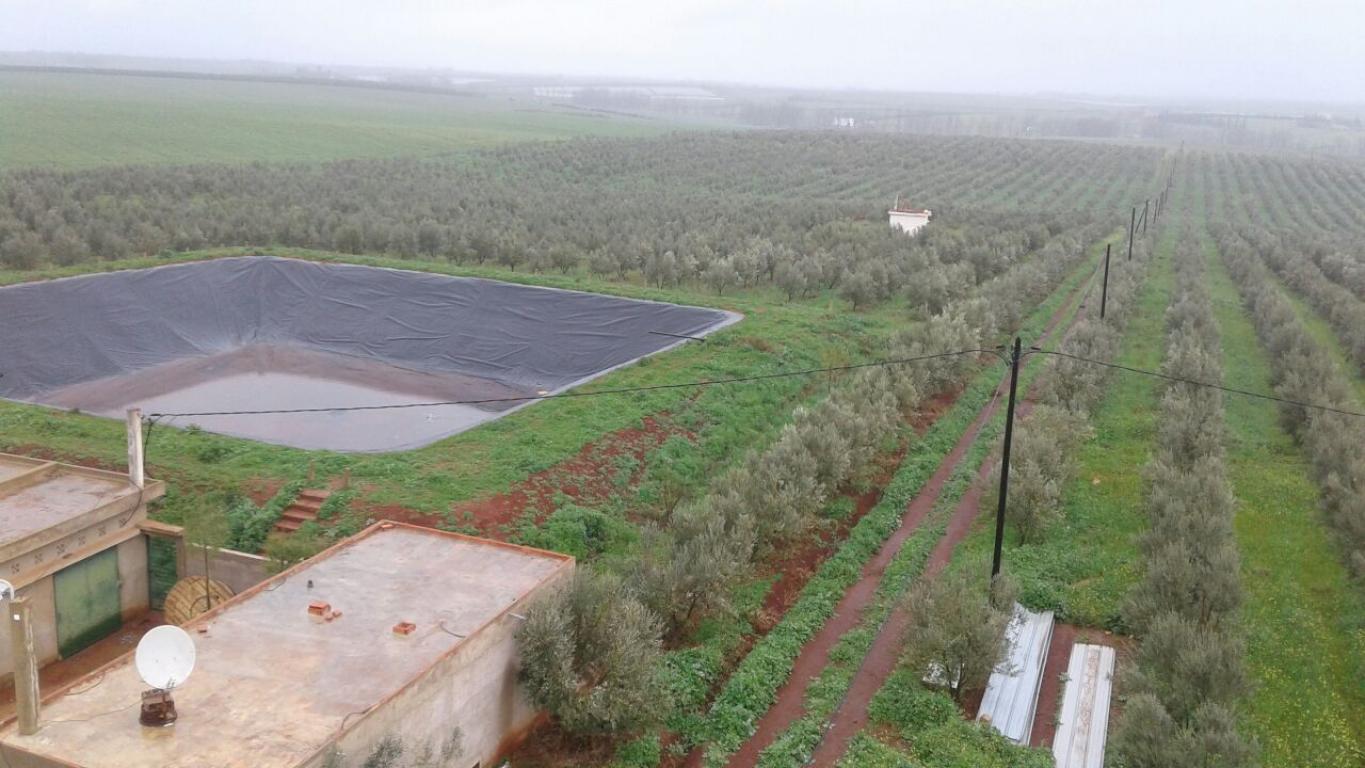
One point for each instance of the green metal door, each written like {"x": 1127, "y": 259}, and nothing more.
{"x": 87, "y": 597}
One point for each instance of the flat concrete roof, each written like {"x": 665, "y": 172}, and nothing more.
{"x": 55, "y": 500}
{"x": 38, "y": 496}
{"x": 273, "y": 685}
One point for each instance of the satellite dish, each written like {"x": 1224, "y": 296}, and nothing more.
{"x": 6, "y": 590}
{"x": 165, "y": 657}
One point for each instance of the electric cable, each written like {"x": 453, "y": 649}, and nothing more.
{"x": 155, "y": 417}
{"x": 593, "y": 393}
{"x": 1194, "y": 382}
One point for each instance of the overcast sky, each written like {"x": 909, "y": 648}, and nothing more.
{"x": 1281, "y": 49}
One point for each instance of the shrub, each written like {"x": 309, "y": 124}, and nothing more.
{"x": 690, "y": 569}
{"x": 643, "y": 752}
{"x": 590, "y": 656}
{"x": 1185, "y": 665}
{"x": 1148, "y": 737}
{"x": 908, "y": 705}
{"x": 578, "y": 531}
{"x": 249, "y": 525}
{"x": 1041, "y": 465}
{"x": 957, "y": 630}
{"x": 963, "y": 744}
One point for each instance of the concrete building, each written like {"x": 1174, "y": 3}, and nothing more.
{"x": 907, "y": 218}
{"x": 395, "y": 647}
{"x": 71, "y": 544}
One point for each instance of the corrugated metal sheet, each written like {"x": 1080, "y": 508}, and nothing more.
{"x": 1012, "y": 694}
{"x": 1083, "y": 722}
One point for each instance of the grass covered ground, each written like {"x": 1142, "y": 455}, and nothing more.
{"x": 1303, "y": 620}
{"x": 75, "y": 120}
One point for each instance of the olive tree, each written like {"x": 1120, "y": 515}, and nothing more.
{"x": 957, "y": 633}
{"x": 590, "y": 656}
{"x": 1041, "y": 464}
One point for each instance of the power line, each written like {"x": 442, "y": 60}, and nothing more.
{"x": 594, "y": 393}
{"x": 154, "y": 418}
{"x": 1209, "y": 385}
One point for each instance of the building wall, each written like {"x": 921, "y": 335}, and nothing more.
{"x": 43, "y": 615}
{"x": 133, "y": 600}
{"x": 474, "y": 690}
{"x": 133, "y": 589}
{"x": 238, "y": 570}
{"x": 909, "y": 223}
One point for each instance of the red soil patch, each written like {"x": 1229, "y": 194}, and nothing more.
{"x": 402, "y": 514}
{"x": 548, "y": 746}
{"x": 590, "y": 477}
{"x": 1064, "y": 636}
{"x": 796, "y": 565}
{"x": 261, "y": 490}
{"x": 1050, "y": 692}
{"x": 929, "y": 411}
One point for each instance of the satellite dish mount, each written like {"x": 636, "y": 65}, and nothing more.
{"x": 158, "y": 709}
{"x": 165, "y": 657}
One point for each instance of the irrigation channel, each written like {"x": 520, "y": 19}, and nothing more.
{"x": 851, "y": 715}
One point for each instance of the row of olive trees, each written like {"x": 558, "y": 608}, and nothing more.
{"x": 1342, "y": 308}
{"x": 592, "y": 663}
{"x": 1188, "y": 674}
{"x": 595, "y": 671}
{"x": 957, "y": 630}
{"x": 1042, "y": 461}
{"x": 1304, "y": 372}
{"x": 1339, "y": 265}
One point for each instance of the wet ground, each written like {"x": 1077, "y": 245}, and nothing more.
{"x": 270, "y": 378}
{"x": 66, "y": 671}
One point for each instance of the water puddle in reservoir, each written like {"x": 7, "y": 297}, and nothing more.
{"x": 264, "y": 378}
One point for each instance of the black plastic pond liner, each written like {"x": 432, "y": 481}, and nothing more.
{"x": 64, "y": 332}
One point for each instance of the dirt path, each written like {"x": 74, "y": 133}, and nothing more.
{"x": 852, "y": 714}
{"x": 790, "y": 703}
{"x": 1054, "y": 667}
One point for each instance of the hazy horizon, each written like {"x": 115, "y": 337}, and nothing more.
{"x": 1280, "y": 51}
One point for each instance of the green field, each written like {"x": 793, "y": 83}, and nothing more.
{"x": 787, "y": 228}
{"x": 74, "y": 120}
{"x": 1304, "y": 650}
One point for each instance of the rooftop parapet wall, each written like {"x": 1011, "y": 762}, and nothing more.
{"x": 54, "y": 514}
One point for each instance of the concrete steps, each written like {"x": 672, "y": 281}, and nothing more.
{"x": 303, "y": 509}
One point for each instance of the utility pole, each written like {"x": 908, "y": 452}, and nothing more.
{"x": 1005, "y": 460}
{"x": 1104, "y": 289}
{"x": 1132, "y": 228}
{"x": 18, "y": 615}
